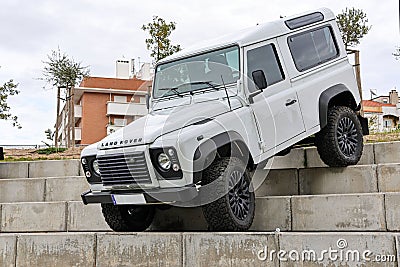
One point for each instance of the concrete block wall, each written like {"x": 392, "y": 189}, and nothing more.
{"x": 197, "y": 249}
{"x": 41, "y": 168}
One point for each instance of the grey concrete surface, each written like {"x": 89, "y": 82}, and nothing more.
{"x": 272, "y": 213}
{"x": 54, "y": 168}
{"x": 392, "y": 201}
{"x": 352, "y": 179}
{"x": 56, "y": 250}
{"x": 362, "y": 212}
{"x": 227, "y": 249}
{"x": 21, "y": 190}
{"x": 140, "y": 249}
{"x": 7, "y": 250}
{"x": 294, "y": 160}
{"x": 387, "y": 152}
{"x": 85, "y": 217}
{"x": 199, "y": 249}
{"x": 347, "y": 249}
{"x": 33, "y": 217}
{"x": 13, "y": 170}
{"x": 389, "y": 177}
{"x": 282, "y": 182}
{"x": 65, "y": 188}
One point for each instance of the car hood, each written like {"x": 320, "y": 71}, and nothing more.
{"x": 146, "y": 129}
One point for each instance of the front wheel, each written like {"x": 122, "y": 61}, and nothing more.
{"x": 340, "y": 142}
{"x": 126, "y": 218}
{"x": 235, "y": 206}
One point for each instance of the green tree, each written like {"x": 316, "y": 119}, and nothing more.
{"x": 8, "y": 89}
{"x": 353, "y": 26}
{"x": 159, "y": 43}
{"x": 63, "y": 72}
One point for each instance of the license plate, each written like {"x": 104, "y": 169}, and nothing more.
{"x": 128, "y": 199}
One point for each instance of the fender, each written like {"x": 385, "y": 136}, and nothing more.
{"x": 325, "y": 99}
{"x": 207, "y": 151}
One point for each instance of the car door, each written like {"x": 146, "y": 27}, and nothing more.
{"x": 276, "y": 108}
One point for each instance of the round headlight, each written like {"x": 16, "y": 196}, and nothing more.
{"x": 164, "y": 162}
{"x": 95, "y": 166}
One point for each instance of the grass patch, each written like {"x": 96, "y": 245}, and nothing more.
{"x": 50, "y": 150}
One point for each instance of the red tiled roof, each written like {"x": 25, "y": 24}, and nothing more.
{"x": 114, "y": 83}
{"x": 370, "y": 103}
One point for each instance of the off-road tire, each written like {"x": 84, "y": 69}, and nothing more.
{"x": 220, "y": 214}
{"x": 340, "y": 142}
{"x": 127, "y": 218}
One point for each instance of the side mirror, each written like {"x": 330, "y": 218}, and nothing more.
{"x": 259, "y": 79}
{"x": 148, "y": 102}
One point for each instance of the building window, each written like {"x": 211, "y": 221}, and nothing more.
{"x": 120, "y": 122}
{"x": 120, "y": 98}
{"x": 387, "y": 123}
{"x": 312, "y": 48}
{"x": 385, "y": 101}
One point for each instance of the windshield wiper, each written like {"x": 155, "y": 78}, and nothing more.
{"x": 176, "y": 92}
{"x": 172, "y": 89}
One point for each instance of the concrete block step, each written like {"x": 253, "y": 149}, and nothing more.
{"x": 40, "y": 168}
{"x": 42, "y": 189}
{"x": 61, "y": 216}
{"x": 376, "y": 153}
{"x": 368, "y": 249}
{"x": 340, "y": 212}
{"x": 345, "y": 212}
{"x": 325, "y": 180}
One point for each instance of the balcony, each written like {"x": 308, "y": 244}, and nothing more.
{"x": 78, "y": 134}
{"x": 78, "y": 111}
{"x": 126, "y": 109}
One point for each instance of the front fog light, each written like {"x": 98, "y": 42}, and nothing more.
{"x": 95, "y": 166}
{"x": 88, "y": 174}
{"x": 164, "y": 162}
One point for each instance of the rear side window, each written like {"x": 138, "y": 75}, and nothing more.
{"x": 312, "y": 48}
{"x": 264, "y": 58}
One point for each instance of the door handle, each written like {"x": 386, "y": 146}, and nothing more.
{"x": 290, "y": 102}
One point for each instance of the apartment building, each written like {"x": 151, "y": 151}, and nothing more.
{"x": 104, "y": 105}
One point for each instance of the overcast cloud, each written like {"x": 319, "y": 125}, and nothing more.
{"x": 99, "y": 32}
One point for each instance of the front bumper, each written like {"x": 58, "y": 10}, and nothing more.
{"x": 151, "y": 196}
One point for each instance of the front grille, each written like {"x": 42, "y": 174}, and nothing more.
{"x": 124, "y": 169}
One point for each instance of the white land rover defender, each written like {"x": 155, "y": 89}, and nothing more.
{"x": 220, "y": 111}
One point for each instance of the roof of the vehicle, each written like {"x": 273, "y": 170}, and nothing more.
{"x": 246, "y": 36}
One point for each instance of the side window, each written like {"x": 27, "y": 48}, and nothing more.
{"x": 264, "y": 58}
{"x": 312, "y": 48}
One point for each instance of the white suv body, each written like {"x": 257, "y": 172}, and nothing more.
{"x": 272, "y": 86}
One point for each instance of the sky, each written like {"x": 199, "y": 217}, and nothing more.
{"x": 97, "y": 33}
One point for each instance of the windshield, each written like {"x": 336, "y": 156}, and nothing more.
{"x": 198, "y": 72}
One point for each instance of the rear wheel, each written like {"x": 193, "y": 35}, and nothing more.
{"x": 128, "y": 217}
{"x": 234, "y": 209}
{"x": 340, "y": 142}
